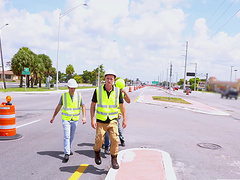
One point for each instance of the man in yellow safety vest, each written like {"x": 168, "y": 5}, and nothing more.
{"x": 72, "y": 104}
{"x": 107, "y": 98}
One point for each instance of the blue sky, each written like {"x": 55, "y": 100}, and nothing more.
{"x": 137, "y": 38}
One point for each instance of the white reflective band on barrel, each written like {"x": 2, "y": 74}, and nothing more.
{"x": 7, "y": 116}
{"x": 8, "y": 127}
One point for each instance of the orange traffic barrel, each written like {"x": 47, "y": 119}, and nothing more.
{"x": 134, "y": 88}
{"x": 187, "y": 92}
{"x": 130, "y": 89}
{"x": 8, "y": 121}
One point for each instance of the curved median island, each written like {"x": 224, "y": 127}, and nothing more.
{"x": 172, "y": 99}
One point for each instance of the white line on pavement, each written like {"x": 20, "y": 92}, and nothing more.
{"x": 28, "y": 123}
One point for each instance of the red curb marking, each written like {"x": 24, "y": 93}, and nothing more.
{"x": 144, "y": 165}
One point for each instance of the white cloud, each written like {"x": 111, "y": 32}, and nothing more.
{"x": 148, "y": 35}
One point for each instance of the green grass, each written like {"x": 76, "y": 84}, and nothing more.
{"x": 39, "y": 89}
{"x": 172, "y": 99}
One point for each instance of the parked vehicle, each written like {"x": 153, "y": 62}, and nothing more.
{"x": 229, "y": 93}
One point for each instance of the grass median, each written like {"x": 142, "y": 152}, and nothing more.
{"x": 172, "y": 99}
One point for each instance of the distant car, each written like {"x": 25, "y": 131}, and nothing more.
{"x": 175, "y": 87}
{"x": 185, "y": 90}
{"x": 229, "y": 93}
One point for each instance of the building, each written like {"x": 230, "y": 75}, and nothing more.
{"x": 218, "y": 86}
{"x": 9, "y": 76}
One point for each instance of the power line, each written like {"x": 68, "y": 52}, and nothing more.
{"x": 216, "y": 10}
{"x": 225, "y": 23}
{"x": 222, "y": 14}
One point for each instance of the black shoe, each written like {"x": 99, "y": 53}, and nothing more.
{"x": 115, "y": 164}
{"x": 122, "y": 142}
{"x": 66, "y": 158}
{"x": 107, "y": 150}
{"x": 97, "y": 157}
{"x": 71, "y": 153}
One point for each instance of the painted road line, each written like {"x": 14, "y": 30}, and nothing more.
{"x": 136, "y": 99}
{"x": 78, "y": 172}
{"x": 28, "y": 123}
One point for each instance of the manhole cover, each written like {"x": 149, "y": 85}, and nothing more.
{"x": 209, "y": 146}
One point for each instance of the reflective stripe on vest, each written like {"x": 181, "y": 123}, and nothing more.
{"x": 71, "y": 107}
{"x": 107, "y": 107}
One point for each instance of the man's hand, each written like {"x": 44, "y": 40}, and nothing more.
{"x": 84, "y": 120}
{"x": 124, "y": 123}
{"x": 51, "y": 121}
{"x": 93, "y": 124}
{"x": 119, "y": 115}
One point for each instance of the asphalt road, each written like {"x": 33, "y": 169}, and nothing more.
{"x": 39, "y": 153}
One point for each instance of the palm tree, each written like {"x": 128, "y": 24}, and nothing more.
{"x": 21, "y": 59}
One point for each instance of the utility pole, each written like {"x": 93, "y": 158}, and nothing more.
{"x": 170, "y": 81}
{"x": 206, "y": 82}
{"x": 185, "y": 67}
{"x": 3, "y": 74}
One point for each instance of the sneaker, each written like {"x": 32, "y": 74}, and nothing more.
{"x": 66, "y": 158}
{"x": 122, "y": 142}
{"x": 107, "y": 150}
{"x": 71, "y": 153}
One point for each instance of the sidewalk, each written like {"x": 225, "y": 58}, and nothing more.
{"x": 194, "y": 106}
{"x": 143, "y": 164}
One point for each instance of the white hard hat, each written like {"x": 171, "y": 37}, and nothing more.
{"x": 72, "y": 83}
{"x": 110, "y": 72}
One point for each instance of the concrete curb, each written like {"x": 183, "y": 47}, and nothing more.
{"x": 128, "y": 155}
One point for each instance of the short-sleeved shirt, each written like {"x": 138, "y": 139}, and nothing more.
{"x": 94, "y": 99}
{"x": 61, "y": 100}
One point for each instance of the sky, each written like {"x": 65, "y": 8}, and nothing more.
{"x": 135, "y": 38}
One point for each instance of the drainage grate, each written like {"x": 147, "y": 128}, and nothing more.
{"x": 209, "y": 146}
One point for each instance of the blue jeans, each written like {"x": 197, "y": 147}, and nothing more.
{"x": 106, "y": 140}
{"x": 69, "y": 128}
{"x": 119, "y": 130}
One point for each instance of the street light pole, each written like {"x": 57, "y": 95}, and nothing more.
{"x": 60, "y": 16}
{"x": 184, "y": 83}
{"x": 231, "y": 74}
{"x": 195, "y": 75}
{"x": 235, "y": 74}
{"x": 4, "y": 81}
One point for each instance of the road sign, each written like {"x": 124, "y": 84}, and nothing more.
{"x": 154, "y": 82}
{"x": 26, "y": 71}
{"x": 190, "y": 74}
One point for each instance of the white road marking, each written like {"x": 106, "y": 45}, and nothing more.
{"x": 28, "y": 123}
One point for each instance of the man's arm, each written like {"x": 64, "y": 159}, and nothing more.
{"x": 83, "y": 114}
{"x": 123, "y": 111}
{"x": 92, "y": 113}
{"x": 59, "y": 106}
{"x": 126, "y": 97}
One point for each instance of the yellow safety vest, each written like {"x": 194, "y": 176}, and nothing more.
{"x": 71, "y": 108}
{"x": 107, "y": 107}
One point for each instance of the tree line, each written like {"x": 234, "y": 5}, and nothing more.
{"x": 40, "y": 67}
